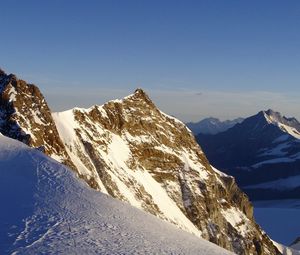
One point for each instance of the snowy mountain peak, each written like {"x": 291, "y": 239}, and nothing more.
{"x": 139, "y": 92}
{"x": 287, "y": 125}
{"x": 132, "y": 151}
{"x": 271, "y": 112}
{"x": 273, "y": 116}
{"x": 141, "y": 95}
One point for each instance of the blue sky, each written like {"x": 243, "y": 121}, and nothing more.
{"x": 194, "y": 58}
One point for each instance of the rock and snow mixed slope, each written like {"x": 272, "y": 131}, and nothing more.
{"x": 262, "y": 152}
{"x": 25, "y": 116}
{"x": 132, "y": 151}
{"x": 47, "y": 210}
{"x": 136, "y": 153}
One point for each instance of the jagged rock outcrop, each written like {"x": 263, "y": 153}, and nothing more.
{"x": 152, "y": 161}
{"x": 25, "y": 116}
{"x": 134, "y": 152}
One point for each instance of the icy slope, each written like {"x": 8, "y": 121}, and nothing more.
{"x": 47, "y": 210}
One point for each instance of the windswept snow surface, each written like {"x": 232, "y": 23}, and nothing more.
{"x": 45, "y": 209}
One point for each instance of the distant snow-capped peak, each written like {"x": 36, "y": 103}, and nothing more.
{"x": 287, "y": 125}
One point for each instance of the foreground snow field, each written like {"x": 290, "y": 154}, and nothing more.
{"x": 45, "y": 209}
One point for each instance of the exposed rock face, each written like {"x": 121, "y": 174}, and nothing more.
{"x": 134, "y": 152}
{"x": 25, "y": 116}
{"x": 140, "y": 155}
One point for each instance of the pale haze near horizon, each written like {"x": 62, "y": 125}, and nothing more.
{"x": 188, "y": 105}
{"x": 195, "y": 59}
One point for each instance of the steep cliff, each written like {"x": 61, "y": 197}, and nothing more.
{"x": 25, "y": 116}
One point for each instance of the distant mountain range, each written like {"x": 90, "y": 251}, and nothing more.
{"x": 212, "y": 125}
{"x": 262, "y": 153}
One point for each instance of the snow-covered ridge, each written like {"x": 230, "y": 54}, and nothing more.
{"x": 284, "y": 148}
{"x": 52, "y": 212}
{"x": 288, "y": 125}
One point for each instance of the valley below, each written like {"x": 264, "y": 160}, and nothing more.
{"x": 279, "y": 218}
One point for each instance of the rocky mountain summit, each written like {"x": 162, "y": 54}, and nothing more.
{"x": 132, "y": 151}
{"x": 25, "y": 116}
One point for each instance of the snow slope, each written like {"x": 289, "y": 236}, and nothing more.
{"x": 47, "y": 210}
